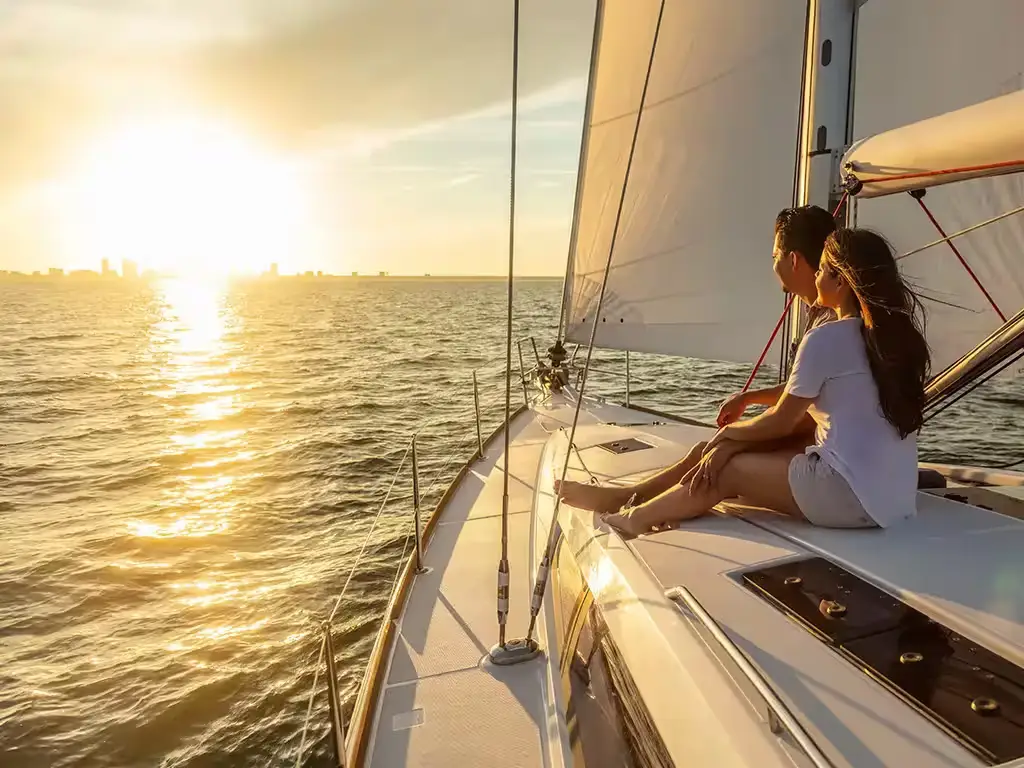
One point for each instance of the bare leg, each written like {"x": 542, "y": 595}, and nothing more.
{"x": 760, "y": 478}
{"x": 608, "y": 498}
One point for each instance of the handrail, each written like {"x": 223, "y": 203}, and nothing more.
{"x": 776, "y": 706}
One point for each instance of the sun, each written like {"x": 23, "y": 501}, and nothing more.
{"x": 185, "y": 195}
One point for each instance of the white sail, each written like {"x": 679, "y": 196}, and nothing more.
{"x": 714, "y": 163}
{"x": 918, "y": 59}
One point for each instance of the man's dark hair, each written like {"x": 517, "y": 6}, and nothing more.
{"x": 804, "y": 230}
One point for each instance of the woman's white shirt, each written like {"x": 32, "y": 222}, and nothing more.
{"x": 853, "y": 436}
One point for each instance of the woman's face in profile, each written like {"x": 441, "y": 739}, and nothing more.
{"x": 832, "y": 289}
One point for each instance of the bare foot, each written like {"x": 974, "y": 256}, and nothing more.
{"x": 628, "y": 521}
{"x": 593, "y": 497}
{"x": 634, "y": 521}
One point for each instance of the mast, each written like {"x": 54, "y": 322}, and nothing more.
{"x": 826, "y": 112}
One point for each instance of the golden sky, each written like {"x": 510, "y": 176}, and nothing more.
{"x": 326, "y": 134}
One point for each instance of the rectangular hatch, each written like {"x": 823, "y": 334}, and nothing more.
{"x": 832, "y": 602}
{"x": 970, "y": 692}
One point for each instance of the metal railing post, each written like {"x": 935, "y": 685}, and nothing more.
{"x": 476, "y": 406}
{"x": 536, "y": 354}
{"x": 522, "y": 374}
{"x": 627, "y": 379}
{"x": 334, "y": 700}
{"x": 416, "y": 508}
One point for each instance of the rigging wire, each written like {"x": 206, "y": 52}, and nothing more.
{"x": 369, "y": 533}
{"x": 961, "y": 233}
{"x": 918, "y": 195}
{"x": 542, "y": 569}
{"x": 503, "y": 570}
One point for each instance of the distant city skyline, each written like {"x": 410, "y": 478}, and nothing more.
{"x": 130, "y": 271}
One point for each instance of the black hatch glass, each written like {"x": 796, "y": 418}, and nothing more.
{"x": 970, "y": 692}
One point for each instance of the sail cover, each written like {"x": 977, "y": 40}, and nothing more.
{"x": 921, "y": 59}
{"x": 985, "y": 139}
{"x": 691, "y": 271}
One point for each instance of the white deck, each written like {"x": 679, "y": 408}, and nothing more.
{"x": 441, "y": 706}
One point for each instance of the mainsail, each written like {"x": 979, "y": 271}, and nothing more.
{"x": 715, "y": 159}
{"x": 920, "y": 59}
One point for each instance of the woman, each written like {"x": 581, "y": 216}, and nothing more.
{"x": 860, "y": 378}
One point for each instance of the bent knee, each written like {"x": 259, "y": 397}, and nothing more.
{"x": 698, "y": 449}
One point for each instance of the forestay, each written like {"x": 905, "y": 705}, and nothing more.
{"x": 714, "y": 163}
{"x": 919, "y": 59}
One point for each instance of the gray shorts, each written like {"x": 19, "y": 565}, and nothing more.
{"x": 823, "y": 495}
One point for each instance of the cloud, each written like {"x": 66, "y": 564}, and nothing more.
{"x": 466, "y": 178}
{"x": 288, "y": 71}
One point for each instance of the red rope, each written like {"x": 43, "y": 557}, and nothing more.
{"x": 764, "y": 352}
{"x": 842, "y": 200}
{"x": 946, "y": 172}
{"x": 963, "y": 261}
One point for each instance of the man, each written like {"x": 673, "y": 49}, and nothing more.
{"x": 800, "y": 235}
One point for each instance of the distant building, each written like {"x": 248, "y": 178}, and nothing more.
{"x": 309, "y": 273}
{"x": 129, "y": 269}
{"x": 273, "y": 269}
{"x": 319, "y": 273}
{"x": 105, "y": 268}
{"x": 55, "y": 272}
{"x": 355, "y": 274}
{"x": 382, "y": 274}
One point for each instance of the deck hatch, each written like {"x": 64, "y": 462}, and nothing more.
{"x": 970, "y": 692}
{"x": 832, "y": 602}
{"x": 628, "y": 445}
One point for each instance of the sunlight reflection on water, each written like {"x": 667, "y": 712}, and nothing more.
{"x": 193, "y": 325}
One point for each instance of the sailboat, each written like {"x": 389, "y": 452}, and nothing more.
{"x": 742, "y": 637}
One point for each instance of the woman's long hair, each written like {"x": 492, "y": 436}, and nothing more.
{"x": 893, "y": 323}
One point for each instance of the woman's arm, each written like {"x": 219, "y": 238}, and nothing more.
{"x": 781, "y": 420}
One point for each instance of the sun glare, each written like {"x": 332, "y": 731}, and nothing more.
{"x": 183, "y": 195}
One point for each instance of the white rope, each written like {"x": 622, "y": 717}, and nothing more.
{"x": 962, "y": 232}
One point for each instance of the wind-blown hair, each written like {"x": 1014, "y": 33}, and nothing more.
{"x": 893, "y": 322}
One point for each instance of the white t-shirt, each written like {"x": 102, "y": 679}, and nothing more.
{"x": 853, "y": 437}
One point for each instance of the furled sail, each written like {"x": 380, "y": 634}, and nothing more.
{"x": 978, "y": 141}
{"x": 714, "y": 162}
{"x": 921, "y": 59}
